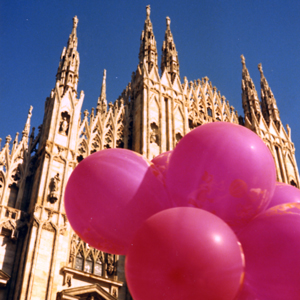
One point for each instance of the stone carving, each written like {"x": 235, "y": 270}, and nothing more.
{"x": 69, "y": 280}
{"x": 54, "y": 186}
{"x": 114, "y": 291}
{"x": 110, "y": 264}
{"x": 64, "y": 126}
{"x": 154, "y": 133}
{"x": 178, "y": 137}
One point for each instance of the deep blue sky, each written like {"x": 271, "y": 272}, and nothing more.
{"x": 210, "y": 36}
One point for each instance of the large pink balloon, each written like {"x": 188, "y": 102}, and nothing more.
{"x": 223, "y": 168}
{"x": 184, "y": 253}
{"x": 110, "y": 194}
{"x": 162, "y": 162}
{"x": 271, "y": 244}
{"x": 284, "y": 193}
{"x": 246, "y": 293}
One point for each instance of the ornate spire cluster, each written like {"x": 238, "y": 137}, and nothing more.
{"x": 249, "y": 94}
{"x": 268, "y": 102}
{"x": 148, "y": 50}
{"x": 68, "y": 69}
{"x": 169, "y": 59}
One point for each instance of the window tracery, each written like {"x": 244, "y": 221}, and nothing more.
{"x": 90, "y": 260}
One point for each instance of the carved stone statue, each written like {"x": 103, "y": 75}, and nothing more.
{"x": 64, "y": 125}
{"x": 110, "y": 264}
{"x": 154, "y": 133}
{"x": 54, "y": 185}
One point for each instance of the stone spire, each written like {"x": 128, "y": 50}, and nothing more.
{"x": 249, "y": 93}
{"x": 68, "y": 69}
{"x": 25, "y": 132}
{"x": 169, "y": 59}
{"x": 148, "y": 50}
{"x": 103, "y": 87}
{"x": 268, "y": 102}
{"x": 102, "y": 102}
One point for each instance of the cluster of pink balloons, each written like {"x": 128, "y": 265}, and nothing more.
{"x": 205, "y": 221}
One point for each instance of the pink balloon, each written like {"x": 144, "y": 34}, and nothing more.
{"x": 162, "y": 161}
{"x": 223, "y": 168}
{"x": 246, "y": 293}
{"x": 184, "y": 253}
{"x": 284, "y": 193}
{"x": 271, "y": 244}
{"x": 110, "y": 194}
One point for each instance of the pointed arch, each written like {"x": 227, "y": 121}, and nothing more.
{"x": 98, "y": 269}
{"x": 290, "y": 169}
{"x": 82, "y": 150}
{"x": 192, "y": 98}
{"x": 209, "y": 101}
{"x": 218, "y": 113}
{"x": 79, "y": 259}
{"x": 96, "y": 144}
{"x": 108, "y": 133}
{"x": 89, "y": 263}
{"x": 201, "y": 104}
{"x": 84, "y": 131}
{"x": 13, "y": 186}
{"x": 154, "y": 109}
{"x": 179, "y": 123}
{"x": 96, "y": 127}
{"x": 120, "y": 132}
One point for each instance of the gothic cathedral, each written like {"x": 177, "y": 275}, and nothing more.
{"x": 40, "y": 256}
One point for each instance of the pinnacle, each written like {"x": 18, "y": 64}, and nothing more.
{"x": 66, "y": 76}
{"x": 103, "y": 87}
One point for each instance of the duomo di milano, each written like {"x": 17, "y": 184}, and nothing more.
{"x": 40, "y": 256}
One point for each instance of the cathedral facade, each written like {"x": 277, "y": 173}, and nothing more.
{"x": 40, "y": 256}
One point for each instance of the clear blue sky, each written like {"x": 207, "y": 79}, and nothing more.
{"x": 210, "y": 36}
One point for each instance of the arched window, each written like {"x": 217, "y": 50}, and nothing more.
{"x": 79, "y": 261}
{"x": 88, "y": 266}
{"x": 98, "y": 267}
{"x": 278, "y": 152}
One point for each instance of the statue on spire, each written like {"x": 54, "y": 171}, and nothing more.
{"x": 148, "y": 12}
{"x": 148, "y": 51}
{"x": 169, "y": 59}
{"x": 249, "y": 93}
{"x": 68, "y": 69}
{"x": 268, "y": 102}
